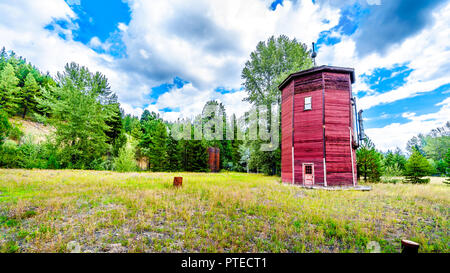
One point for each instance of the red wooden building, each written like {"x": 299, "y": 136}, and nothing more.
{"x": 318, "y": 138}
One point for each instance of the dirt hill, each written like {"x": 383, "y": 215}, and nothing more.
{"x": 34, "y": 130}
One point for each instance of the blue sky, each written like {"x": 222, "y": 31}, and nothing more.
{"x": 172, "y": 56}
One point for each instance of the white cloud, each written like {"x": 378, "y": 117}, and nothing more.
{"x": 396, "y": 134}
{"x": 188, "y": 101}
{"x": 374, "y": 2}
{"x": 427, "y": 53}
{"x": 160, "y": 44}
{"x": 207, "y": 43}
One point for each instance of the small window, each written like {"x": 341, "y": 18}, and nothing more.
{"x": 308, "y": 103}
{"x": 308, "y": 169}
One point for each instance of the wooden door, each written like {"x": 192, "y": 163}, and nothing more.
{"x": 308, "y": 174}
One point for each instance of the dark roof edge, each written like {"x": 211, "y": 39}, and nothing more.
{"x": 323, "y": 68}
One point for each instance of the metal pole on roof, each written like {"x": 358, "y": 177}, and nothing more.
{"x": 314, "y": 54}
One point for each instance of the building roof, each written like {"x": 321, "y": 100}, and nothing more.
{"x": 323, "y": 68}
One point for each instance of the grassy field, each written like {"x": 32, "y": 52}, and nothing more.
{"x": 57, "y": 211}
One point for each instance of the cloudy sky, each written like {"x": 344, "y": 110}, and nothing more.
{"x": 171, "y": 56}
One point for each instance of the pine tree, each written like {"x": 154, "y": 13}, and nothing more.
{"x": 8, "y": 89}
{"x": 29, "y": 92}
{"x": 173, "y": 154}
{"x": 158, "y": 147}
{"x": 369, "y": 163}
{"x": 3, "y": 58}
{"x": 399, "y": 159}
{"x": 447, "y": 162}
{"x": 78, "y": 115}
{"x": 4, "y": 125}
{"x": 114, "y": 122}
{"x": 153, "y": 143}
{"x": 196, "y": 156}
{"x": 416, "y": 168}
{"x": 125, "y": 161}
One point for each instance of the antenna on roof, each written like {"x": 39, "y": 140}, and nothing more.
{"x": 314, "y": 53}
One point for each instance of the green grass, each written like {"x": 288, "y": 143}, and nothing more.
{"x": 42, "y": 211}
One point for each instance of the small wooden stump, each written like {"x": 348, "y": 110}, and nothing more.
{"x": 178, "y": 181}
{"x": 410, "y": 247}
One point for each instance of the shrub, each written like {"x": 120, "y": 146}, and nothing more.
{"x": 15, "y": 133}
{"x": 390, "y": 180}
{"x": 416, "y": 168}
{"x": 393, "y": 170}
{"x": 9, "y": 155}
{"x": 5, "y": 126}
{"x": 125, "y": 162}
{"x": 30, "y": 155}
{"x": 447, "y": 166}
{"x": 101, "y": 165}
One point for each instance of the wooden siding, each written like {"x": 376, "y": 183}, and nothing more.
{"x": 286, "y": 136}
{"x": 325, "y": 131}
{"x": 337, "y": 129}
{"x": 308, "y": 136}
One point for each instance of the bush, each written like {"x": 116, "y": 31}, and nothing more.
{"x": 101, "y": 165}
{"x": 125, "y": 162}
{"x": 5, "y": 126}
{"x": 9, "y": 155}
{"x": 15, "y": 133}
{"x": 390, "y": 180}
{"x": 416, "y": 168}
{"x": 29, "y": 155}
{"x": 393, "y": 170}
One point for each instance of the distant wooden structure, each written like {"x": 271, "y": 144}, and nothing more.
{"x": 318, "y": 123}
{"x": 214, "y": 159}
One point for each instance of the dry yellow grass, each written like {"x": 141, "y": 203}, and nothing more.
{"x": 42, "y": 211}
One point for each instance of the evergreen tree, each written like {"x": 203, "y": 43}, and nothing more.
{"x": 447, "y": 163}
{"x": 235, "y": 144}
{"x": 28, "y": 95}
{"x": 4, "y": 125}
{"x": 416, "y": 168}
{"x": 147, "y": 116}
{"x": 399, "y": 159}
{"x": 193, "y": 154}
{"x": 136, "y": 130}
{"x": 125, "y": 161}
{"x": 416, "y": 143}
{"x": 153, "y": 143}
{"x": 158, "y": 147}
{"x": 196, "y": 156}
{"x": 369, "y": 162}
{"x": 9, "y": 89}
{"x": 129, "y": 122}
{"x": 3, "y": 58}
{"x": 174, "y": 161}
{"x": 115, "y": 132}
{"x": 78, "y": 115}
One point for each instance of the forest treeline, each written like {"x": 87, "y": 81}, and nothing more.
{"x": 93, "y": 132}
{"x": 429, "y": 155}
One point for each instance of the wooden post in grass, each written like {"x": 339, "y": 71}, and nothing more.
{"x": 410, "y": 247}
{"x": 178, "y": 181}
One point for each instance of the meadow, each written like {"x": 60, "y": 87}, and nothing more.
{"x": 92, "y": 211}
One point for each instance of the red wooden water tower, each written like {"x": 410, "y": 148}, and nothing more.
{"x": 318, "y": 128}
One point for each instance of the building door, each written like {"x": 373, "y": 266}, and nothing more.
{"x": 308, "y": 174}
